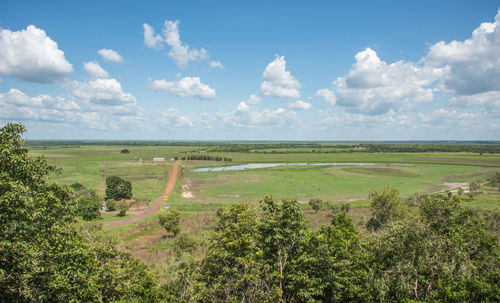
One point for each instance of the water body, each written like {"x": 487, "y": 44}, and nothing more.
{"x": 266, "y": 165}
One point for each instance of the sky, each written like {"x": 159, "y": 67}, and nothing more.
{"x": 251, "y": 70}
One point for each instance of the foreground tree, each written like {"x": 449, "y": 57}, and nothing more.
{"x": 267, "y": 253}
{"x": 441, "y": 254}
{"x": 43, "y": 258}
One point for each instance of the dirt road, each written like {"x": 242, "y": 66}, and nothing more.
{"x": 154, "y": 208}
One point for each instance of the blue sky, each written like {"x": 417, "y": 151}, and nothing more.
{"x": 252, "y": 70}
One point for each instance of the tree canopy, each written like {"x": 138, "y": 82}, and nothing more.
{"x": 118, "y": 188}
{"x": 43, "y": 257}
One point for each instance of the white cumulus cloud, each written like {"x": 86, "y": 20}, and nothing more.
{"x": 101, "y": 92}
{"x": 180, "y": 52}
{"x": 188, "y": 87}
{"x": 278, "y": 82}
{"x": 16, "y": 105}
{"x": 472, "y": 66}
{"x": 375, "y": 87}
{"x": 299, "y": 105}
{"x": 110, "y": 55}
{"x": 216, "y": 64}
{"x": 30, "y": 55}
{"x": 173, "y": 117}
{"x": 150, "y": 39}
{"x": 254, "y": 99}
{"x": 327, "y": 95}
{"x": 94, "y": 70}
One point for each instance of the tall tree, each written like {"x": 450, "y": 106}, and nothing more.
{"x": 43, "y": 258}
{"x": 118, "y": 188}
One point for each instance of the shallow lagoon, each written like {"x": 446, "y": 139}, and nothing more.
{"x": 267, "y": 165}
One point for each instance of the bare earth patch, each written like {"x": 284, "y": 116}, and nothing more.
{"x": 380, "y": 170}
{"x": 186, "y": 193}
{"x": 453, "y": 187}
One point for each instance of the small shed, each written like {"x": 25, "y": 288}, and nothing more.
{"x": 158, "y": 159}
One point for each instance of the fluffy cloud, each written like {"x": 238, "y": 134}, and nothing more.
{"x": 110, "y": 55}
{"x": 327, "y": 95}
{"x": 375, "y": 87}
{"x": 216, "y": 64}
{"x": 30, "y": 55}
{"x": 299, "y": 105}
{"x": 15, "y": 105}
{"x": 278, "y": 82}
{"x": 173, "y": 117}
{"x": 187, "y": 87}
{"x": 445, "y": 116}
{"x": 94, "y": 70}
{"x": 150, "y": 39}
{"x": 179, "y": 51}
{"x": 254, "y": 99}
{"x": 248, "y": 116}
{"x": 473, "y": 65}
{"x": 106, "y": 92}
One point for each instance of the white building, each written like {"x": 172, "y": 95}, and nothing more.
{"x": 158, "y": 159}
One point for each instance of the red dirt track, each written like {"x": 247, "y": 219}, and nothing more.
{"x": 154, "y": 208}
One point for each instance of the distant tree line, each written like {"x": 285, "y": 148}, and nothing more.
{"x": 207, "y": 158}
{"x": 287, "y": 147}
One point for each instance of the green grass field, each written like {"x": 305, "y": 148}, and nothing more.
{"x": 408, "y": 172}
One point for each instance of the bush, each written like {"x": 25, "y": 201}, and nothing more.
{"x": 123, "y": 207}
{"x": 111, "y": 204}
{"x": 171, "y": 221}
{"x": 316, "y": 204}
{"x": 185, "y": 243}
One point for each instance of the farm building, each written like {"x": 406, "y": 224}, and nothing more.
{"x": 158, "y": 159}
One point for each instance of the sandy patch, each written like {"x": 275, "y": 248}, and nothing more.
{"x": 186, "y": 193}
{"x": 453, "y": 187}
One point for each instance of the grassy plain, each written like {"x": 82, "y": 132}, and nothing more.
{"x": 408, "y": 172}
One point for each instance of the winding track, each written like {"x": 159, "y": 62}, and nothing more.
{"x": 154, "y": 208}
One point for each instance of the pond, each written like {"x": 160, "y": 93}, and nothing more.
{"x": 266, "y": 165}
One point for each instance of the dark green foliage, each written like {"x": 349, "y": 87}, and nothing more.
{"x": 124, "y": 151}
{"x": 185, "y": 243}
{"x": 473, "y": 189}
{"x": 494, "y": 180}
{"x": 123, "y": 207}
{"x": 43, "y": 258}
{"x": 111, "y": 204}
{"x": 333, "y": 266}
{"x": 171, "y": 221}
{"x": 316, "y": 204}
{"x": 88, "y": 203}
{"x": 345, "y": 208}
{"x": 441, "y": 254}
{"x": 207, "y": 158}
{"x": 386, "y": 206}
{"x": 118, "y": 188}
{"x": 268, "y": 254}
